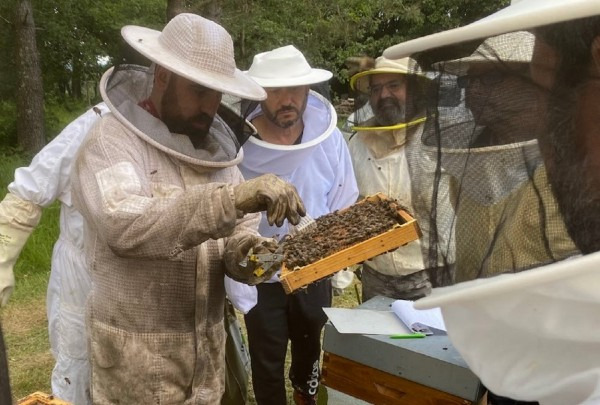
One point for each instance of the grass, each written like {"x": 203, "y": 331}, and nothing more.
{"x": 24, "y": 319}
{"x": 29, "y": 358}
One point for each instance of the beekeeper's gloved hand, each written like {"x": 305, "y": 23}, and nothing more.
{"x": 271, "y": 194}
{"x": 237, "y": 249}
{"x": 18, "y": 218}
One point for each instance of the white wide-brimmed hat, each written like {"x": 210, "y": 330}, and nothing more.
{"x": 405, "y": 66}
{"x": 532, "y": 335}
{"x": 199, "y": 50}
{"x": 285, "y": 67}
{"x": 520, "y": 15}
{"x": 514, "y": 47}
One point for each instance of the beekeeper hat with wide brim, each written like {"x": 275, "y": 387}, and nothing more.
{"x": 404, "y": 66}
{"x": 197, "y": 49}
{"x": 285, "y": 67}
{"x": 531, "y": 335}
{"x": 520, "y": 15}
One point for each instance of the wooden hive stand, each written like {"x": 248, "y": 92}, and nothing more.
{"x": 378, "y": 387}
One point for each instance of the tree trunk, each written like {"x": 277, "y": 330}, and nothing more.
{"x": 30, "y": 91}
{"x": 211, "y": 9}
{"x": 174, "y": 7}
{"x": 245, "y": 9}
{"x": 76, "y": 80}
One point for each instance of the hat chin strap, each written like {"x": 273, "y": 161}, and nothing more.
{"x": 390, "y": 127}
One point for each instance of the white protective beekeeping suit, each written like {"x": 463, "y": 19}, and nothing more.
{"x": 321, "y": 170}
{"x": 35, "y": 187}
{"x": 506, "y": 215}
{"x": 44, "y": 181}
{"x": 381, "y": 166}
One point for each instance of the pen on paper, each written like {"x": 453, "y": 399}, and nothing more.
{"x": 411, "y": 336}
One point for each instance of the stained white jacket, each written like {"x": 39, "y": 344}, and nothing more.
{"x": 156, "y": 210}
{"x": 384, "y": 160}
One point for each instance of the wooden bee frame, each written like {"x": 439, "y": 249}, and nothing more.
{"x": 40, "y": 398}
{"x": 399, "y": 235}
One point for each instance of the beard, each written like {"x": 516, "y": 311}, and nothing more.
{"x": 572, "y": 180}
{"x": 195, "y": 127}
{"x": 390, "y": 112}
{"x": 281, "y": 122}
{"x": 277, "y": 118}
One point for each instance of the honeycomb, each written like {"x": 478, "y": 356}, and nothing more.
{"x": 340, "y": 230}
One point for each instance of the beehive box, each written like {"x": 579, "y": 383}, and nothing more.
{"x": 39, "y": 398}
{"x": 403, "y": 232}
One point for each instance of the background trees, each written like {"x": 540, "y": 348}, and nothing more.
{"x": 30, "y": 92}
{"x": 78, "y": 39}
{"x": 330, "y": 31}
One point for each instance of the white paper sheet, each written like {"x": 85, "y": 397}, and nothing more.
{"x": 430, "y": 317}
{"x": 366, "y": 321}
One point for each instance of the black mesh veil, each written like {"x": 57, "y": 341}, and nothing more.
{"x": 483, "y": 197}
{"x": 134, "y": 83}
{"x": 518, "y": 152}
{"x": 236, "y": 120}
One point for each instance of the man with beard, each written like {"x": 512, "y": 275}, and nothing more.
{"x": 45, "y": 181}
{"x": 533, "y": 336}
{"x": 488, "y": 85}
{"x": 570, "y": 70}
{"x": 165, "y": 216}
{"x": 501, "y": 123}
{"x": 297, "y": 139}
{"x": 379, "y": 154}
{"x": 506, "y": 216}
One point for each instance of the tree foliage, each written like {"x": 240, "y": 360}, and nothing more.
{"x": 329, "y": 32}
{"x": 78, "y": 34}
{"x": 75, "y": 35}
{"x": 78, "y": 39}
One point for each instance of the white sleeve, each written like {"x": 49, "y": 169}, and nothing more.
{"x": 345, "y": 190}
{"x": 47, "y": 178}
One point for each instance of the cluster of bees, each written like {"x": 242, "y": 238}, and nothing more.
{"x": 340, "y": 230}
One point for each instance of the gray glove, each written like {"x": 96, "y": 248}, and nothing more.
{"x": 269, "y": 193}
{"x": 237, "y": 249}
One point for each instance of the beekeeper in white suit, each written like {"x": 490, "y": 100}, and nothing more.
{"x": 35, "y": 187}
{"x": 383, "y": 148}
{"x": 533, "y": 336}
{"x": 297, "y": 139}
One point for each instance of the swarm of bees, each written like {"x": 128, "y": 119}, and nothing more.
{"x": 340, "y": 230}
